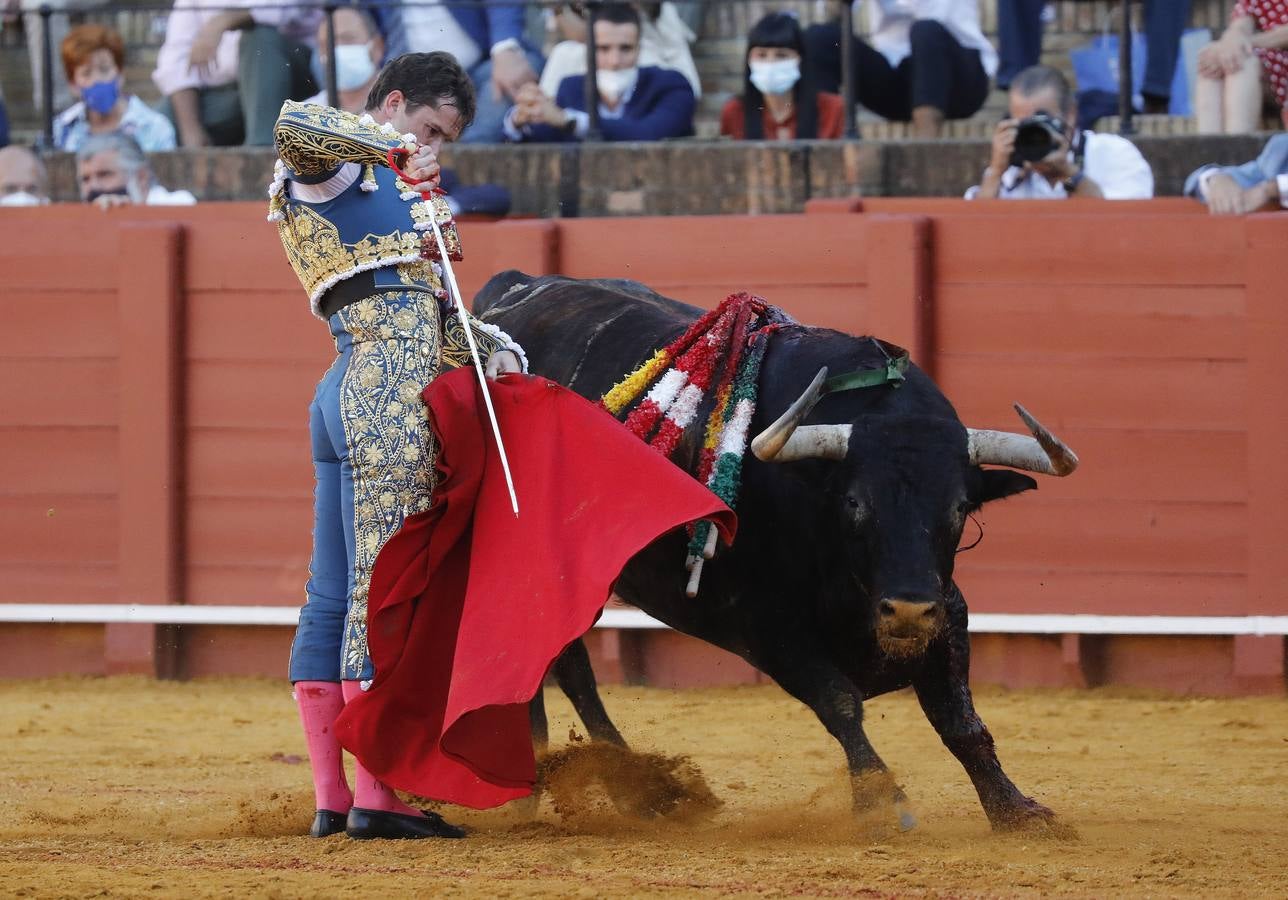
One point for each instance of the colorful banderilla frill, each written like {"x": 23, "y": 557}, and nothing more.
{"x": 724, "y": 349}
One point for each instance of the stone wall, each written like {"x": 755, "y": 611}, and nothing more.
{"x": 689, "y": 177}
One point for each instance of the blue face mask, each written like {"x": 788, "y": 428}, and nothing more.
{"x": 101, "y": 96}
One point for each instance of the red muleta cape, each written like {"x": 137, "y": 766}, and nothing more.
{"x": 469, "y": 606}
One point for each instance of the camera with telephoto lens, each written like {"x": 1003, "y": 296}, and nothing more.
{"x": 1036, "y": 137}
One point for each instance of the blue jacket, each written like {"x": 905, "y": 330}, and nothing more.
{"x": 1272, "y": 162}
{"x": 661, "y": 106}
{"x": 486, "y": 25}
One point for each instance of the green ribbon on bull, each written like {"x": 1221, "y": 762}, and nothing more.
{"x": 891, "y": 373}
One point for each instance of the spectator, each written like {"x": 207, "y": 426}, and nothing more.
{"x": 1019, "y": 32}
{"x": 359, "y": 52}
{"x": 23, "y": 180}
{"x": 273, "y": 55}
{"x": 928, "y": 61}
{"x": 664, "y": 42}
{"x": 33, "y": 25}
{"x": 1078, "y": 164}
{"x": 93, "y": 60}
{"x": 202, "y": 100}
{"x": 113, "y": 171}
{"x": 1227, "y": 98}
{"x": 486, "y": 39}
{"x": 635, "y": 104}
{"x": 4, "y": 123}
{"x": 777, "y": 102}
{"x": 1256, "y": 185}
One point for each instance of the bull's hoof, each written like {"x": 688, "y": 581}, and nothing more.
{"x": 1031, "y": 817}
{"x": 880, "y": 803}
{"x": 527, "y": 807}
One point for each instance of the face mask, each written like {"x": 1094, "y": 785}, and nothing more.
{"x": 22, "y": 198}
{"x": 101, "y": 96}
{"x": 353, "y": 66}
{"x": 94, "y": 195}
{"x": 777, "y": 77}
{"x": 615, "y": 83}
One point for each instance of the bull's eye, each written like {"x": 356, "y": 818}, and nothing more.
{"x": 855, "y": 507}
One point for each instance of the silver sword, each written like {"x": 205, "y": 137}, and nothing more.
{"x": 455, "y": 291}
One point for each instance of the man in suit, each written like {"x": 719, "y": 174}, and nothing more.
{"x": 486, "y": 39}
{"x": 635, "y": 104}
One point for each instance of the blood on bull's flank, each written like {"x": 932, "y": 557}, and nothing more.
{"x": 839, "y": 585}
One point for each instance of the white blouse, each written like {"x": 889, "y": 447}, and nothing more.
{"x": 890, "y": 23}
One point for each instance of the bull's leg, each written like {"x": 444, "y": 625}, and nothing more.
{"x": 540, "y": 726}
{"x": 943, "y": 690}
{"x": 838, "y": 703}
{"x": 576, "y": 678}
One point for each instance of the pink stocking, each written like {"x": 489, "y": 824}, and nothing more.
{"x": 369, "y": 792}
{"x": 320, "y": 703}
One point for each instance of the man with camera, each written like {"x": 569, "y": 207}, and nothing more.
{"x": 1038, "y": 152}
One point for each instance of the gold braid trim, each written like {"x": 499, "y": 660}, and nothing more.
{"x": 315, "y": 140}
{"x": 456, "y": 349}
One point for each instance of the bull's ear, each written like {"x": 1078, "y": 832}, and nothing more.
{"x": 996, "y": 484}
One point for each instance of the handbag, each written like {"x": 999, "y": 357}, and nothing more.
{"x": 1096, "y": 70}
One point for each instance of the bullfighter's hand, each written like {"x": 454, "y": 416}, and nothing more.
{"x": 422, "y": 166}
{"x": 502, "y": 362}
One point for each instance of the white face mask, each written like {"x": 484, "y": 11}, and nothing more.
{"x": 22, "y": 198}
{"x": 353, "y": 66}
{"x": 777, "y": 77}
{"x": 616, "y": 83}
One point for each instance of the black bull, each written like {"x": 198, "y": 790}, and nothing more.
{"x": 839, "y": 586}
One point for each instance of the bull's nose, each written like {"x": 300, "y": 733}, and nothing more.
{"x": 910, "y": 615}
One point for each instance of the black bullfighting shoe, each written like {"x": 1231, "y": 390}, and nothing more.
{"x": 327, "y": 823}
{"x": 369, "y": 824}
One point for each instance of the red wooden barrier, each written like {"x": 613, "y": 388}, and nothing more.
{"x": 161, "y": 362}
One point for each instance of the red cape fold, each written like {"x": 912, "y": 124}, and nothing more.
{"x": 469, "y": 606}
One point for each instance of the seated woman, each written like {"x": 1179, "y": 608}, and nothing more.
{"x": 924, "y": 61}
{"x": 1232, "y": 71}
{"x": 93, "y": 58}
{"x": 779, "y": 100}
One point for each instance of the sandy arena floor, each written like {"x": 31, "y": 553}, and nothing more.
{"x": 124, "y": 787}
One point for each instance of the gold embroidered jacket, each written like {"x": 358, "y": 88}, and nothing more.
{"x": 348, "y": 211}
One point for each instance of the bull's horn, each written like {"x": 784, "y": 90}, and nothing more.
{"x": 769, "y": 443}
{"x": 1044, "y": 452}
{"x": 815, "y": 442}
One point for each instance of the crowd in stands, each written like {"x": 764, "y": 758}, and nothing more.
{"x": 226, "y": 66}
